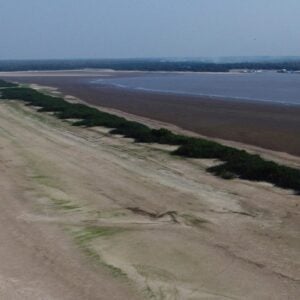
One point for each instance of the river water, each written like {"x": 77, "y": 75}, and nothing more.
{"x": 264, "y": 86}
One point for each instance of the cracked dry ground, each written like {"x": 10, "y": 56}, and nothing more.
{"x": 87, "y": 215}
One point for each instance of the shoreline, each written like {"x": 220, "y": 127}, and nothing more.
{"x": 270, "y": 126}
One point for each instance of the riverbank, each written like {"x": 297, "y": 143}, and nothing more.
{"x": 236, "y": 163}
{"x": 162, "y": 226}
{"x": 270, "y": 126}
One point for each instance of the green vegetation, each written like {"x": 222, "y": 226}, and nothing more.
{"x": 291, "y": 64}
{"x": 65, "y": 204}
{"x": 85, "y": 237}
{"x": 239, "y": 163}
{"x": 5, "y": 84}
{"x": 90, "y": 233}
{"x": 236, "y": 163}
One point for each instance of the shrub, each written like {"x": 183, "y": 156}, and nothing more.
{"x": 165, "y": 136}
{"x": 5, "y": 84}
{"x": 141, "y": 133}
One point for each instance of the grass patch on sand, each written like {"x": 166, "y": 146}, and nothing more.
{"x": 65, "y": 204}
{"x": 235, "y": 163}
{"x": 93, "y": 232}
{"x": 84, "y": 240}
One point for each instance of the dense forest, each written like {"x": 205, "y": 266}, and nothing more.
{"x": 146, "y": 65}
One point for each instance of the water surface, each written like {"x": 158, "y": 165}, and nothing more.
{"x": 265, "y": 86}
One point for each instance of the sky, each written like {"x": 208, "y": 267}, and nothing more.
{"x": 39, "y": 29}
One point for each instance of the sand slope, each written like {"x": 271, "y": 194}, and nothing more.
{"x": 85, "y": 215}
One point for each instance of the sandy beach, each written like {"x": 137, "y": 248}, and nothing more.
{"x": 270, "y": 126}
{"x": 89, "y": 215}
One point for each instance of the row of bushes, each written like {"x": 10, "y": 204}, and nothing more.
{"x": 236, "y": 163}
{"x": 239, "y": 163}
{"x": 89, "y": 116}
{"x": 5, "y": 84}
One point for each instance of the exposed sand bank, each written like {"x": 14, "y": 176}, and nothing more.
{"x": 270, "y": 126}
{"x": 149, "y": 221}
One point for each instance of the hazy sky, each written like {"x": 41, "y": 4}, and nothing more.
{"x": 148, "y": 28}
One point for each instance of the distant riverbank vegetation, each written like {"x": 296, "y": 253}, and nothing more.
{"x": 234, "y": 163}
{"x": 5, "y": 84}
{"x": 149, "y": 65}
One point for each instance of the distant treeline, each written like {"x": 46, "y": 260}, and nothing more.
{"x": 143, "y": 65}
{"x": 234, "y": 162}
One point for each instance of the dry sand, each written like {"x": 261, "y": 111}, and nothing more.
{"x": 87, "y": 215}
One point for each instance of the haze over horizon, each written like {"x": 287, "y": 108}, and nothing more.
{"x": 39, "y": 29}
